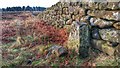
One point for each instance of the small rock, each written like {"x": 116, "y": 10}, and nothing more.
{"x": 97, "y": 13}
{"x": 102, "y": 5}
{"x": 93, "y": 5}
{"x": 56, "y": 50}
{"x": 71, "y": 9}
{"x": 95, "y": 33}
{"x": 76, "y": 10}
{"x": 65, "y": 11}
{"x": 29, "y": 61}
{"x": 103, "y": 46}
{"x": 73, "y": 17}
{"x": 81, "y": 11}
{"x": 113, "y": 5}
{"x": 77, "y": 18}
{"x": 85, "y": 19}
{"x": 100, "y": 23}
{"x": 98, "y": 44}
{"x": 117, "y": 25}
{"x": 112, "y": 44}
{"x": 69, "y": 22}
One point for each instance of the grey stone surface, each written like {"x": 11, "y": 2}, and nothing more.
{"x": 100, "y": 22}
{"x": 57, "y": 50}
{"x": 103, "y": 46}
{"x": 117, "y": 25}
{"x": 84, "y": 40}
{"x": 95, "y": 33}
{"x": 110, "y": 15}
{"x": 110, "y": 35}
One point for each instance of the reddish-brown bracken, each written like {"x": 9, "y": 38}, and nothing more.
{"x": 50, "y": 34}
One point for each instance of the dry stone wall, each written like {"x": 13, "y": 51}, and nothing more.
{"x": 93, "y": 24}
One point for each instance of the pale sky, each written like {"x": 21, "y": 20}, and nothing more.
{"x": 41, "y": 3}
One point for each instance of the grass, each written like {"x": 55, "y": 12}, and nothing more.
{"x": 72, "y": 59}
{"x": 103, "y": 60}
{"x": 68, "y": 60}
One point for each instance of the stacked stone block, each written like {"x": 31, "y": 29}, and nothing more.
{"x": 103, "y": 18}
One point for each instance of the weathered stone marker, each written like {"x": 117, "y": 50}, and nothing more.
{"x": 84, "y": 40}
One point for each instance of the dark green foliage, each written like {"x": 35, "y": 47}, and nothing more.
{"x": 27, "y": 8}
